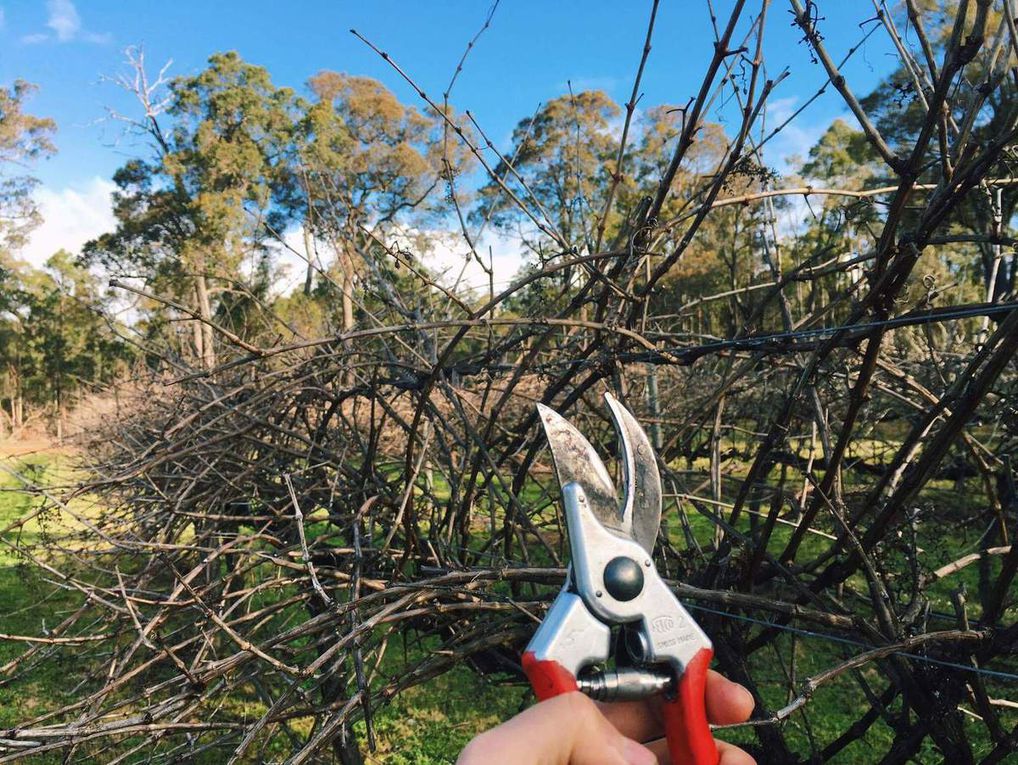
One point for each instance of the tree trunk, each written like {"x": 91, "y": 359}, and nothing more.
{"x": 197, "y": 339}
{"x": 17, "y": 408}
{"x": 208, "y": 353}
{"x": 347, "y": 293}
{"x": 309, "y": 254}
{"x": 15, "y": 388}
{"x": 60, "y": 418}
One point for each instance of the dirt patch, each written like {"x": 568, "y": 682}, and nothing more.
{"x": 29, "y": 444}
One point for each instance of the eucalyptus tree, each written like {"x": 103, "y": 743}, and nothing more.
{"x": 24, "y": 138}
{"x": 558, "y": 167}
{"x": 564, "y": 162}
{"x": 56, "y": 341}
{"x": 194, "y": 216}
{"x": 981, "y": 113}
{"x": 366, "y": 165}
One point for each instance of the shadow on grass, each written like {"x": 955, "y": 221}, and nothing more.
{"x": 42, "y": 682}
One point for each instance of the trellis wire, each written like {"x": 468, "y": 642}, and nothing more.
{"x": 856, "y": 643}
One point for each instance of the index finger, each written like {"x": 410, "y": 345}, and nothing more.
{"x": 726, "y": 703}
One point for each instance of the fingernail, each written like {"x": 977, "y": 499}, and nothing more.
{"x": 747, "y": 697}
{"x": 637, "y": 754}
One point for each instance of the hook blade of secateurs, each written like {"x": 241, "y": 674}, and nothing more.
{"x": 577, "y": 462}
{"x": 641, "y": 503}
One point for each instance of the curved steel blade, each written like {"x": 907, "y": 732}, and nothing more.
{"x": 576, "y": 461}
{"x": 641, "y": 504}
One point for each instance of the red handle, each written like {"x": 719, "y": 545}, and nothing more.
{"x": 689, "y": 738}
{"x": 548, "y": 678}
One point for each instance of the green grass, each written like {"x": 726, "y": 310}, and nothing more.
{"x": 14, "y": 503}
{"x": 429, "y": 724}
{"x": 34, "y": 687}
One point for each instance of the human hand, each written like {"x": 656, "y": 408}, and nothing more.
{"x": 573, "y": 730}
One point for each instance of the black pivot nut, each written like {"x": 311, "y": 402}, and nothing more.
{"x": 623, "y": 578}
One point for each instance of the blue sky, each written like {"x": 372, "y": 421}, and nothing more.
{"x": 532, "y": 49}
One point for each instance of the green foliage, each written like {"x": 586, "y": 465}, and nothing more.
{"x": 841, "y": 158}
{"x": 195, "y": 217}
{"x": 230, "y": 126}
{"x": 560, "y": 164}
{"x": 236, "y": 161}
{"x": 897, "y": 106}
{"x": 367, "y": 157}
{"x": 55, "y": 337}
{"x": 563, "y": 165}
{"x": 24, "y": 138}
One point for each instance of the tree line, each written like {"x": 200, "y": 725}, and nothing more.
{"x": 56, "y": 339}
{"x": 236, "y": 170}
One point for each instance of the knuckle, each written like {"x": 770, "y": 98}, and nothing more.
{"x": 581, "y": 708}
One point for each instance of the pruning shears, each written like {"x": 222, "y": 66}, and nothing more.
{"x": 614, "y": 604}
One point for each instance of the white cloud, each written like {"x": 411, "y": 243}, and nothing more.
{"x": 99, "y": 38}
{"x": 449, "y": 256}
{"x": 795, "y": 139}
{"x": 290, "y": 260}
{"x": 442, "y": 252}
{"x": 63, "y": 19}
{"x": 65, "y": 22}
{"x": 71, "y": 216}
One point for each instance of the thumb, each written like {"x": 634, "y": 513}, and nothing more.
{"x": 565, "y": 730}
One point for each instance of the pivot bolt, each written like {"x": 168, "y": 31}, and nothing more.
{"x": 623, "y": 578}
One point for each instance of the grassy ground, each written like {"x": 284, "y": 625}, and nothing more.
{"x": 34, "y": 688}
{"x": 430, "y": 723}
